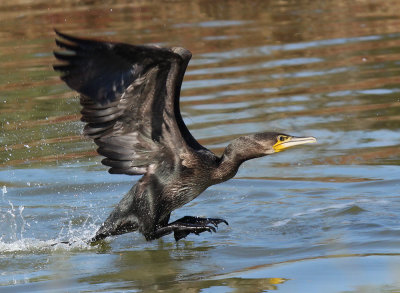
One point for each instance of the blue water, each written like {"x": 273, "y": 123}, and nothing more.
{"x": 318, "y": 218}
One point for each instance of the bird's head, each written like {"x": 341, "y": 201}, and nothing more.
{"x": 274, "y": 142}
{"x": 254, "y": 146}
{"x": 261, "y": 144}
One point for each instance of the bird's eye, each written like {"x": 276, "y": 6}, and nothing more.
{"x": 281, "y": 138}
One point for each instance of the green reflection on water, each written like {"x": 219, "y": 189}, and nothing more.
{"x": 323, "y": 68}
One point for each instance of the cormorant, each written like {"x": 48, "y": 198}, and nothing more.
{"x": 130, "y": 99}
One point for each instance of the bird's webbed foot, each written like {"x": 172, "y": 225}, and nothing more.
{"x": 211, "y": 223}
{"x": 185, "y": 226}
{"x": 200, "y": 221}
{"x": 180, "y": 230}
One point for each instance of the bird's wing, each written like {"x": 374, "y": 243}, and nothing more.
{"x": 130, "y": 98}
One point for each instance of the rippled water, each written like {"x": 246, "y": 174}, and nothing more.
{"x": 322, "y": 216}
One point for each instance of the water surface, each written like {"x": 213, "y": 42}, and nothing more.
{"x": 319, "y": 216}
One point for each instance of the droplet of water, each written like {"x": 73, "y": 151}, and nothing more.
{"x": 4, "y": 190}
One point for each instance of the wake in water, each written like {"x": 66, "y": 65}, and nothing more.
{"x": 14, "y": 226}
{"x": 77, "y": 239}
{"x": 349, "y": 207}
{"x": 74, "y": 239}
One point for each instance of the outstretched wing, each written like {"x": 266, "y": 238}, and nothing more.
{"x": 130, "y": 98}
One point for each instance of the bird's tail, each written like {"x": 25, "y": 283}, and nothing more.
{"x": 122, "y": 219}
{"x": 116, "y": 225}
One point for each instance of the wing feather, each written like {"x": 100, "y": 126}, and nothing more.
{"x": 130, "y": 100}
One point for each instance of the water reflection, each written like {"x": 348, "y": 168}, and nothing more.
{"x": 323, "y": 68}
{"x": 136, "y": 270}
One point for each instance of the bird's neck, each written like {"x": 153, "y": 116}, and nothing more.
{"x": 227, "y": 168}
{"x": 234, "y": 155}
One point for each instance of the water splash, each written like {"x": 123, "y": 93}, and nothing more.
{"x": 14, "y": 226}
{"x": 68, "y": 239}
{"x": 76, "y": 237}
{"x": 13, "y": 220}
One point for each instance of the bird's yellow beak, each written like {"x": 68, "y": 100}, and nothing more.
{"x": 285, "y": 142}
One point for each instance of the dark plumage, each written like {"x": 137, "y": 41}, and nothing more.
{"x": 130, "y": 99}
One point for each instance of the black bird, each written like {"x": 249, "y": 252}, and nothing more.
{"x": 130, "y": 99}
